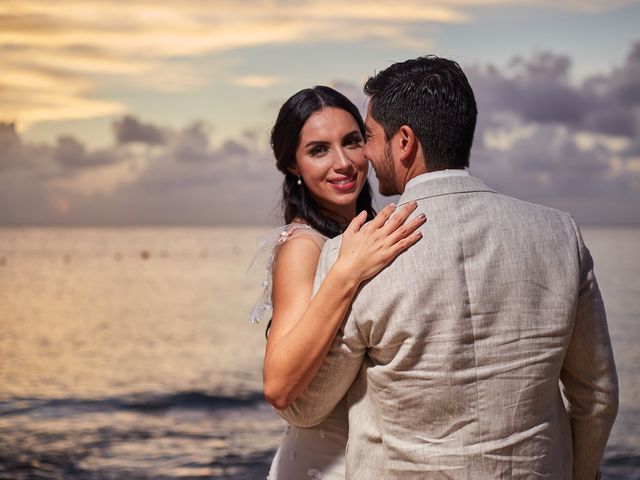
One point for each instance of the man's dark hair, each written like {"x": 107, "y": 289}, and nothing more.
{"x": 432, "y": 96}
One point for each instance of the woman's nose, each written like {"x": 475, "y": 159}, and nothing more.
{"x": 342, "y": 160}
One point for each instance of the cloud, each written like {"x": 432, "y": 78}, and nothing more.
{"x": 130, "y": 130}
{"x": 56, "y": 56}
{"x": 590, "y": 6}
{"x": 150, "y": 175}
{"x": 571, "y": 146}
{"x": 30, "y": 95}
{"x": 540, "y": 137}
{"x": 257, "y": 81}
{"x": 72, "y": 154}
{"x": 53, "y": 58}
{"x": 538, "y": 90}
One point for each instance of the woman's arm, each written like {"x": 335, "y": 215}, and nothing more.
{"x": 303, "y": 328}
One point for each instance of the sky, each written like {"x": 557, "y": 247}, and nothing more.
{"x": 158, "y": 112}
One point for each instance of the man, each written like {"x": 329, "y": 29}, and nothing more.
{"x": 482, "y": 352}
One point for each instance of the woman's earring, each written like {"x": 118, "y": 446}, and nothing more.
{"x": 299, "y": 180}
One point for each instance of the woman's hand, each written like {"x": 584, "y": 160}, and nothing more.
{"x": 303, "y": 326}
{"x": 369, "y": 247}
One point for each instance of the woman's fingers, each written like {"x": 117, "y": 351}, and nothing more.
{"x": 382, "y": 216}
{"x": 356, "y": 224}
{"x": 406, "y": 229}
{"x": 368, "y": 247}
{"x": 409, "y": 227}
{"x": 399, "y": 218}
{"x": 405, "y": 243}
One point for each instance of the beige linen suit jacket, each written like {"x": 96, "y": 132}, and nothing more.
{"x": 482, "y": 352}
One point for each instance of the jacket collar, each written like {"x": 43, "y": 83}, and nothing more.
{"x": 444, "y": 186}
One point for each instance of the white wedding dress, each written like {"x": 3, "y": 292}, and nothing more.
{"x": 304, "y": 453}
{"x": 318, "y": 452}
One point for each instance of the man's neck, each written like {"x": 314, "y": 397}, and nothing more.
{"x": 412, "y": 173}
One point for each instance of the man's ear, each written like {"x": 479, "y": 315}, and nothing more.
{"x": 405, "y": 145}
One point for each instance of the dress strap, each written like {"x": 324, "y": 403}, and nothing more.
{"x": 268, "y": 245}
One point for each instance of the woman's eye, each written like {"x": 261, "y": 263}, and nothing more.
{"x": 317, "y": 150}
{"x": 354, "y": 142}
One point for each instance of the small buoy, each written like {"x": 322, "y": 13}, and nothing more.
{"x": 117, "y": 256}
{"x": 144, "y": 254}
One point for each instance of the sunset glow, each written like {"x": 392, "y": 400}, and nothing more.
{"x": 201, "y": 84}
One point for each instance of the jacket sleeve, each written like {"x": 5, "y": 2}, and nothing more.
{"x": 340, "y": 367}
{"x": 588, "y": 376}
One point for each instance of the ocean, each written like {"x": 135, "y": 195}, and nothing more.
{"x": 125, "y": 353}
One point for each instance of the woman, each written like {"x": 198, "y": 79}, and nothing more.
{"x": 318, "y": 142}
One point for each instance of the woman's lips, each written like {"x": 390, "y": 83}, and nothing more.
{"x": 344, "y": 184}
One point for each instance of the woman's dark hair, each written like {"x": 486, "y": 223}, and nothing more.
{"x": 285, "y": 138}
{"x": 432, "y": 96}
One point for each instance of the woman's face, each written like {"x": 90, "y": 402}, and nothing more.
{"x": 331, "y": 163}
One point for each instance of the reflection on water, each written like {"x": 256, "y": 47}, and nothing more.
{"x": 124, "y": 353}
{"x": 617, "y": 266}
{"x": 195, "y": 436}
{"x": 77, "y": 322}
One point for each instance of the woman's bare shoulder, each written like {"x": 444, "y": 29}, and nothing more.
{"x": 294, "y": 271}
{"x": 298, "y": 229}
{"x": 299, "y": 252}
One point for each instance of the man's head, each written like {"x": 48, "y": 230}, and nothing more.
{"x": 421, "y": 117}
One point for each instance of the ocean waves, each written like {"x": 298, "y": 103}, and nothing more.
{"x": 142, "y": 403}
{"x": 189, "y": 434}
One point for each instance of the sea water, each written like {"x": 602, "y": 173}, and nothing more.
{"x": 126, "y": 354}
